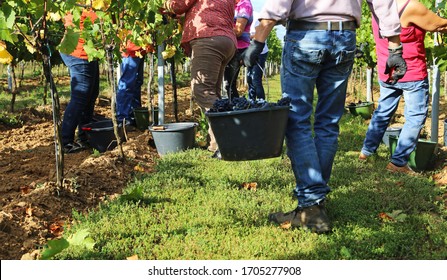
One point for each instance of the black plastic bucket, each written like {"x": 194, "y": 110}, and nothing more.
{"x": 101, "y": 135}
{"x": 173, "y": 137}
{"x": 141, "y": 115}
{"x": 250, "y": 134}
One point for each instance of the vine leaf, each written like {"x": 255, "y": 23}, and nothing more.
{"x": 70, "y": 41}
{"x": 54, "y": 247}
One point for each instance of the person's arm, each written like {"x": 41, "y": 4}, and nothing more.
{"x": 416, "y": 13}
{"x": 178, "y": 7}
{"x": 257, "y": 44}
{"x": 240, "y": 26}
{"x": 263, "y": 29}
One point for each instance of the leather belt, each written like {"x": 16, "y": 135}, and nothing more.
{"x": 327, "y": 25}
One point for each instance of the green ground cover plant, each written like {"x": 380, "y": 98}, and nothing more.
{"x": 194, "y": 207}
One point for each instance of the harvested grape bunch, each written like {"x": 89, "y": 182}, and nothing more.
{"x": 242, "y": 103}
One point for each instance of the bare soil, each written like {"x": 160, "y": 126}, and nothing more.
{"x": 34, "y": 210}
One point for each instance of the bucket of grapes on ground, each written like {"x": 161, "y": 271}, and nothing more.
{"x": 247, "y": 130}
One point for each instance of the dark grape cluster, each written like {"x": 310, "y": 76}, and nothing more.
{"x": 285, "y": 101}
{"x": 242, "y": 103}
{"x": 221, "y": 105}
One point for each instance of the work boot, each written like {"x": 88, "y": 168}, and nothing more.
{"x": 400, "y": 169}
{"x": 313, "y": 218}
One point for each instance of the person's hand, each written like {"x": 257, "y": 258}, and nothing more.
{"x": 396, "y": 67}
{"x": 252, "y": 53}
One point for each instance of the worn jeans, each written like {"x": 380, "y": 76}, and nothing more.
{"x": 84, "y": 85}
{"x": 321, "y": 59}
{"x": 128, "y": 96}
{"x": 254, "y": 78}
{"x": 416, "y": 109}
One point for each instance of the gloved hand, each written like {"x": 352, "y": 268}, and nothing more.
{"x": 252, "y": 53}
{"x": 396, "y": 67}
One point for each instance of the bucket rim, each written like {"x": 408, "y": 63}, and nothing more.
{"x": 420, "y": 140}
{"x": 250, "y": 110}
{"x": 91, "y": 127}
{"x": 141, "y": 109}
{"x": 180, "y": 126}
{"x": 362, "y": 104}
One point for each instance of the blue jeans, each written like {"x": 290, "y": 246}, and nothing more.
{"x": 231, "y": 74}
{"x": 128, "y": 96}
{"x": 254, "y": 78}
{"x": 415, "y": 112}
{"x": 84, "y": 86}
{"x": 321, "y": 59}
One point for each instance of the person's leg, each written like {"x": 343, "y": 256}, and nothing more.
{"x": 82, "y": 79}
{"x": 388, "y": 104}
{"x": 257, "y": 74}
{"x": 311, "y": 59}
{"x": 250, "y": 83}
{"x": 129, "y": 88}
{"x": 93, "y": 95}
{"x": 230, "y": 76}
{"x": 416, "y": 109}
{"x": 331, "y": 88}
{"x": 208, "y": 60}
{"x": 136, "y": 101}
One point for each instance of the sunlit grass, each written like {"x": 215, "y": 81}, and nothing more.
{"x": 193, "y": 207}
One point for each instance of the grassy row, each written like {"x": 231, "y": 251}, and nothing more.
{"x": 193, "y": 207}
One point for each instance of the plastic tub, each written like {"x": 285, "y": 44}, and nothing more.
{"x": 173, "y": 137}
{"x": 101, "y": 135}
{"x": 250, "y": 134}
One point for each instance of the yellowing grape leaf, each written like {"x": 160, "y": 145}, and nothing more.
{"x": 395, "y": 216}
{"x": 29, "y": 211}
{"x": 54, "y": 17}
{"x": 286, "y": 225}
{"x": 250, "y": 186}
{"x": 57, "y": 228}
{"x": 100, "y": 4}
{"x": 5, "y": 57}
{"x": 385, "y": 217}
{"x": 169, "y": 52}
{"x": 138, "y": 168}
{"x": 132, "y": 258}
{"x": 25, "y": 189}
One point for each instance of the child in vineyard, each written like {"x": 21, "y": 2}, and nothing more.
{"x": 84, "y": 86}
{"x": 319, "y": 49}
{"x": 209, "y": 40}
{"x": 415, "y": 19}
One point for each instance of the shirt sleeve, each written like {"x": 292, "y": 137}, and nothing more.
{"x": 387, "y": 16}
